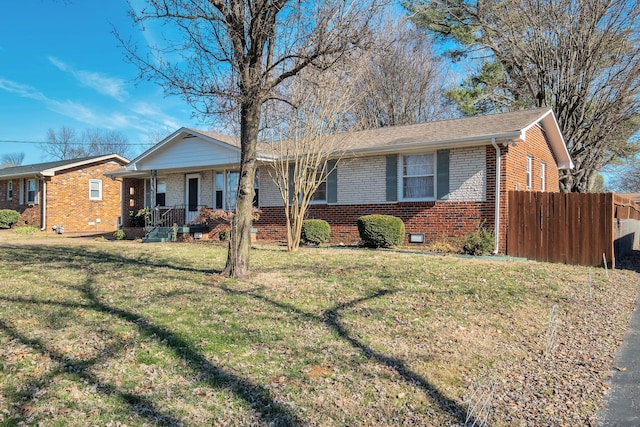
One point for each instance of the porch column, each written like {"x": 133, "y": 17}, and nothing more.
{"x": 154, "y": 188}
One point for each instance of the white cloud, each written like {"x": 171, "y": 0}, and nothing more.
{"x": 22, "y": 90}
{"x": 109, "y": 86}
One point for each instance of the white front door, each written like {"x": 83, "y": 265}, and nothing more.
{"x": 192, "y": 196}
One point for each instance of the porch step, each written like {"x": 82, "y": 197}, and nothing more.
{"x": 159, "y": 234}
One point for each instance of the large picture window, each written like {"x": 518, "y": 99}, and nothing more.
{"x": 320, "y": 195}
{"x": 226, "y": 184}
{"x": 418, "y": 177}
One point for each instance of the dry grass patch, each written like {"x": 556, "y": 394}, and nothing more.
{"x": 101, "y": 332}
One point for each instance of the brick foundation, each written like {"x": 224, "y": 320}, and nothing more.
{"x": 435, "y": 219}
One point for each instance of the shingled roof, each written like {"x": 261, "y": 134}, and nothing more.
{"x": 50, "y": 168}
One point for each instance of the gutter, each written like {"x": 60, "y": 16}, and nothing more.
{"x": 496, "y": 226}
{"x": 44, "y": 204}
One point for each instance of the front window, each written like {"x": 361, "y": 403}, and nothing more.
{"x": 418, "y": 177}
{"x": 95, "y": 189}
{"x": 529, "y": 172}
{"x": 161, "y": 193}
{"x": 226, "y": 190}
{"x": 32, "y": 191}
{"x": 9, "y": 190}
{"x": 320, "y": 195}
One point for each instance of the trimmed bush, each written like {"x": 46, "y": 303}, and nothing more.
{"x": 224, "y": 235}
{"x": 8, "y": 218}
{"x": 315, "y": 231}
{"x": 381, "y": 231}
{"x": 480, "y": 242}
{"x": 120, "y": 235}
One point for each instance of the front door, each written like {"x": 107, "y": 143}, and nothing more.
{"x": 192, "y": 196}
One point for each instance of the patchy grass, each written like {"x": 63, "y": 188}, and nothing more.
{"x": 104, "y": 332}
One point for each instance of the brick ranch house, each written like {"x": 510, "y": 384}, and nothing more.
{"x": 65, "y": 196}
{"x": 440, "y": 178}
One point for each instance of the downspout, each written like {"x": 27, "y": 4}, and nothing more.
{"x": 497, "y": 191}
{"x": 44, "y": 204}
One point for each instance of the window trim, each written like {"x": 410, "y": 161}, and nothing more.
{"x": 529, "y": 172}
{"x": 33, "y": 201}
{"x": 543, "y": 176}
{"x": 9, "y": 190}
{"x": 401, "y": 178}
{"x": 99, "y": 182}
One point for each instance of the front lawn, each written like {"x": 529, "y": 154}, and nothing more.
{"x": 123, "y": 333}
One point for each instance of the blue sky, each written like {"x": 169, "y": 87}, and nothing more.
{"x": 60, "y": 65}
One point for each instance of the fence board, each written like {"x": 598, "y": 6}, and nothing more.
{"x": 571, "y": 228}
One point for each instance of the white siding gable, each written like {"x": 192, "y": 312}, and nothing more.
{"x": 190, "y": 152}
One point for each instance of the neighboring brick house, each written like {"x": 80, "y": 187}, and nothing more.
{"x": 439, "y": 177}
{"x": 72, "y": 194}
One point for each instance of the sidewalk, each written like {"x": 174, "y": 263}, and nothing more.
{"x": 622, "y": 405}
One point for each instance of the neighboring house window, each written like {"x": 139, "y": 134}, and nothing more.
{"x": 418, "y": 177}
{"x": 161, "y": 193}
{"x": 32, "y": 191}
{"x": 529, "y": 172}
{"x": 9, "y": 190}
{"x": 95, "y": 189}
{"x": 543, "y": 177}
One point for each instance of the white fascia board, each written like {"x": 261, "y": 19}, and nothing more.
{"x": 556, "y": 139}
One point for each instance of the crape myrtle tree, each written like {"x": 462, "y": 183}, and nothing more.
{"x": 223, "y": 56}
{"x": 582, "y": 58}
{"x": 306, "y": 142}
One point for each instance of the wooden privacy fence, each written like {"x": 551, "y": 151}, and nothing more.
{"x": 571, "y": 228}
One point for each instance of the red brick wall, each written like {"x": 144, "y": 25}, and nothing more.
{"x": 435, "y": 219}
{"x": 133, "y": 197}
{"x": 30, "y": 214}
{"x": 516, "y": 165}
{"x": 68, "y": 202}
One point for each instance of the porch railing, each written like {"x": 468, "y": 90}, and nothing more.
{"x": 167, "y": 216}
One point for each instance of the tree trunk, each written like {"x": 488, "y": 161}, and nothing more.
{"x": 240, "y": 242}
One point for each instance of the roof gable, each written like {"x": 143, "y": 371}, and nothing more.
{"x": 54, "y": 167}
{"x": 187, "y": 148}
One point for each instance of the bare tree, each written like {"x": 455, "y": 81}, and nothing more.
{"x": 305, "y": 142}
{"x": 11, "y": 159}
{"x": 625, "y": 177}
{"x": 402, "y": 80}
{"x": 65, "y": 143}
{"x": 100, "y": 141}
{"x": 580, "y": 58}
{"x": 62, "y": 144}
{"x": 232, "y": 55}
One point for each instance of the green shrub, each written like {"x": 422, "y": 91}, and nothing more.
{"x": 381, "y": 231}
{"x": 120, "y": 235}
{"x": 315, "y": 231}
{"x": 480, "y": 242}
{"x": 27, "y": 229}
{"x": 139, "y": 218}
{"x": 8, "y": 218}
{"x": 225, "y": 235}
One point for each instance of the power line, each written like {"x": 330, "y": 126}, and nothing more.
{"x": 65, "y": 143}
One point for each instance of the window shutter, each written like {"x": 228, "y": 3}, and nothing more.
{"x": 291, "y": 186}
{"x": 392, "y": 178}
{"x": 443, "y": 174}
{"x": 332, "y": 182}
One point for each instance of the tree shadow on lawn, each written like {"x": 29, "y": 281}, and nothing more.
{"x": 257, "y": 397}
{"x": 331, "y": 319}
{"x": 83, "y": 258}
